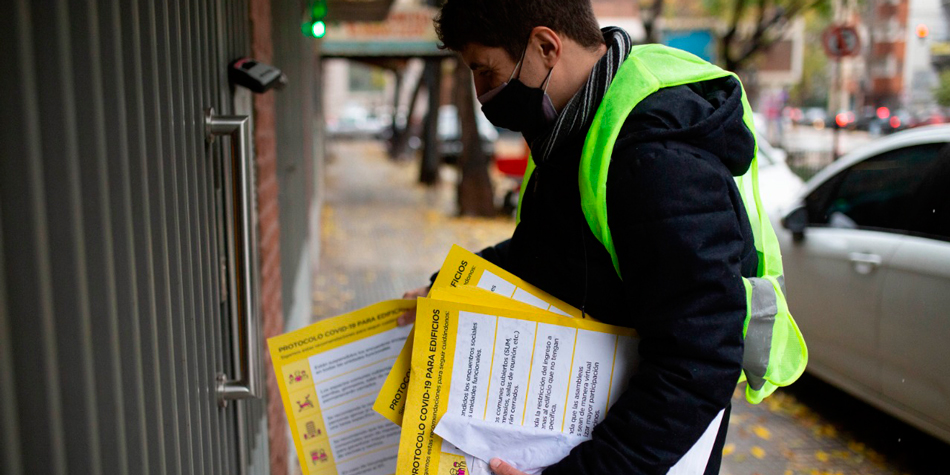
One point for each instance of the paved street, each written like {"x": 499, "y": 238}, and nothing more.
{"x": 812, "y": 428}
{"x": 383, "y": 234}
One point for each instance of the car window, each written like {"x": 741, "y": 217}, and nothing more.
{"x": 886, "y": 192}
{"x": 929, "y": 214}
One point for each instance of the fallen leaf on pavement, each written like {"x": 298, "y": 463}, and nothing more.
{"x": 762, "y": 432}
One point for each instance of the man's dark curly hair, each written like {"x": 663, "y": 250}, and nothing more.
{"x": 508, "y": 23}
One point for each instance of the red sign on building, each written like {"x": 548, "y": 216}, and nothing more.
{"x": 840, "y": 41}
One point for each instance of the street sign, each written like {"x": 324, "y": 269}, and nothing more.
{"x": 840, "y": 41}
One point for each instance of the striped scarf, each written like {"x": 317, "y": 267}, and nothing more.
{"x": 579, "y": 111}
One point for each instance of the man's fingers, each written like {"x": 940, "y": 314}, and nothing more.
{"x": 406, "y": 318}
{"x": 410, "y": 316}
{"x": 420, "y": 292}
{"x": 501, "y": 467}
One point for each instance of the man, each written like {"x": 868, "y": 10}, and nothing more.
{"x": 679, "y": 233}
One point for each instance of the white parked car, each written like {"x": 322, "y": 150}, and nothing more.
{"x": 867, "y": 266}
{"x": 357, "y": 121}
{"x": 778, "y": 185}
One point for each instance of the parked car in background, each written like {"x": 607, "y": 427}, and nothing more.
{"x": 450, "y": 133}
{"x": 867, "y": 264}
{"x": 864, "y": 117}
{"x": 778, "y": 185}
{"x": 358, "y": 122}
{"x": 815, "y": 117}
{"x": 892, "y": 122}
{"x": 794, "y": 114}
{"x": 882, "y": 120}
{"x": 844, "y": 119}
{"x": 932, "y": 116}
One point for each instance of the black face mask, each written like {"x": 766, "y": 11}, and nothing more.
{"x": 520, "y": 108}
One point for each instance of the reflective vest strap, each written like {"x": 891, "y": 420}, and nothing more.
{"x": 524, "y": 184}
{"x": 632, "y": 84}
{"x": 775, "y": 352}
{"x": 762, "y": 305}
{"x": 770, "y": 247}
{"x": 789, "y": 354}
{"x": 646, "y": 70}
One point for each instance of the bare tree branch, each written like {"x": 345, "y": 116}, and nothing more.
{"x": 725, "y": 43}
{"x": 770, "y": 27}
{"x": 763, "y": 8}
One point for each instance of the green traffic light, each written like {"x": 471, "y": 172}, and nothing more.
{"x": 319, "y": 10}
{"x": 318, "y": 29}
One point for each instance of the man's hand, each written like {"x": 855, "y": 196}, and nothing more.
{"x": 410, "y": 315}
{"x": 502, "y": 468}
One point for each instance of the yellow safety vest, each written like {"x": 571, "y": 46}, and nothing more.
{"x": 775, "y": 353}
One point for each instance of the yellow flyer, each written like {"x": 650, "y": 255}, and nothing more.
{"x": 329, "y": 374}
{"x": 463, "y": 269}
{"x": 507, "y": 368}
{"x": 390, "y": 403}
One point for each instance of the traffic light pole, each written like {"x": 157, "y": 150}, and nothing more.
{"x": 836, "y": 132}
{"x": 838, "y": 41}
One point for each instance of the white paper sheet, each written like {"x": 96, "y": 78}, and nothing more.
{"x": 526, "y": 448}
{"x": 532, "y": 450}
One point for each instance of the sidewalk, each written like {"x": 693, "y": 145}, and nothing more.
{"x": 384, "y": 234}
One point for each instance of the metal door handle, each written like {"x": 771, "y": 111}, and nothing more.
{"x": 864, "y": 262}
{"x": 241, "y": 257}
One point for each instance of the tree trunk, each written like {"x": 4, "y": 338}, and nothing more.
{"x": 475, "y": 195}
{"x": 394, "y": 130}
{"x": 429, "y": 167}
{"x": 401, "y": 136}
{"x": 651, "y": 21}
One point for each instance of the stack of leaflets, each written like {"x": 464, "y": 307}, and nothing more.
{"x": 494, "y": 367}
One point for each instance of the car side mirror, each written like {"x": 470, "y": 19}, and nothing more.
{"x": 796, "y": 221}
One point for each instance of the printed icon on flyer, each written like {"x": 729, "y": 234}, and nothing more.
{"x": 457, "y": 469}
{"x": 311, "y": 431}
{"x": 318, "y": 456}
{"x": 297, "y": 376}
{"x": 305, "y": 403}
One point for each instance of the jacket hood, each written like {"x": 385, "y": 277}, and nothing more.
{"x": 707, "y": 115}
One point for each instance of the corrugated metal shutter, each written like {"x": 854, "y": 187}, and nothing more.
{"x": 111, "y": 321}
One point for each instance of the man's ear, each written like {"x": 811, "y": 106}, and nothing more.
{"x": 548, "y": 43}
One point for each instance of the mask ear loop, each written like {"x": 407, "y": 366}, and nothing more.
{"x": 519, "y": 65}
{"x": 547, "y": 80}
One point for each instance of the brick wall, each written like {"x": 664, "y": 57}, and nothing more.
{"x": 268, "y": 214}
